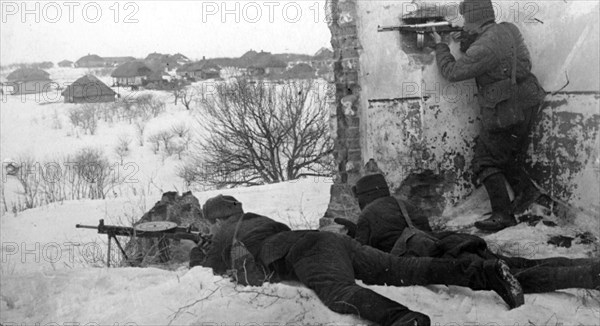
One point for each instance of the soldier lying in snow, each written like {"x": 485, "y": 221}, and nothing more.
{"x": 254, "y": 249}
{"x": 382, "y": 224}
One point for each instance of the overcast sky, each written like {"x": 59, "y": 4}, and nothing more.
{"x": 55, "y": 30}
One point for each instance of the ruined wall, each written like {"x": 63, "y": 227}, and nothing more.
{"x": 410, "y": 120}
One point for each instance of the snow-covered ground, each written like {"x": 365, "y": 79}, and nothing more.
{"x": 53, "y": 273}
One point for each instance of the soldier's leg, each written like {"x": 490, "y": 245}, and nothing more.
{"x": 322, "y": 262}
{"x": 550, "y": 274}
{"x": 493, "y": 152}
{"x": 376, "y": 267}
{"x": 551, "y": 278}
{"x": 525, "y": 192}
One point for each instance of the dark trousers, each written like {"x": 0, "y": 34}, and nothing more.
{"x": 503, "y": 151}
{"x": 330, "y": 263}
{"x": 549, "y": 274}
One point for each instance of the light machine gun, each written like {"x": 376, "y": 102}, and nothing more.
{"x": 157, "y": 229}
{"x": 422, "y": 28}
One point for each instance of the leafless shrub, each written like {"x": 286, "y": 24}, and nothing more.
{"x": 165, "y": 137}
{"x": 85, "y": 117}
{"x": 188, "y": 96}
{"x": 86, "y": 174}
{"x": 177, "y": 146}
{"x": 92, "y": 175}
{"x": 149, "y": 106}
{"x": 155, "y": 140}
{"x": 180, "y": 129}
{"x": 56, "y": 121}
{"x": 29, "y": 180}
{"x": 122, "y": 149}
{"x": 140, "y": 126}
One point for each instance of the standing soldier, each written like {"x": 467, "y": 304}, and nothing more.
{"x": 509, "y": 96}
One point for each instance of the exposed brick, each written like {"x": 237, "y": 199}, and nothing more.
{"x": 355, "y": 155}
{"x": 349, "y": 53}
{"x": 353, "y": 121}
{"x": 346, "y": 47}
{"x": 353, "y": 143}
{"x": 353, "y": 132}
{"x": 350, "y": 64}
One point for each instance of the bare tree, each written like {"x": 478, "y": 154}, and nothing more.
{"x": 188, "y": 96}
{"x": 176, "y": 87}
{"x": 260, "y": 133}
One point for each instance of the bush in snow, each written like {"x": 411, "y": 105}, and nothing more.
{"x": 122, "y": 149}
{"x": 85, "y": 117}
{"x": 86, "y": 174}
{"x": 155, "y": 140}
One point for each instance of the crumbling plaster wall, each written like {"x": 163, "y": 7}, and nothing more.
{"x": 411, "y": 120}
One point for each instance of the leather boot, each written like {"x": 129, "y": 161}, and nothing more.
{"x": 526, "y": 192}
{"x": 503, "y": 282}
{"x": 501, "y": 217}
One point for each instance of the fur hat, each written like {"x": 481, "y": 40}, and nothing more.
{"x": 369, "y": 188}
{"x": 476, "y": 13}
{"x": 221, "y": 207}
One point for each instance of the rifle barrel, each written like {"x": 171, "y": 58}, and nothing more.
{"x": 80, "y": 226}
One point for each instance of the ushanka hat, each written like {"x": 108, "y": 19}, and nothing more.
{"x": 221, "y": 207}
{"x": 476, "y": 12}
{"x": 369, "y": 188}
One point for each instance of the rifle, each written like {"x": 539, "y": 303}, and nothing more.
{"x": 157, "y": 229}
{"x": 421, "y": 29}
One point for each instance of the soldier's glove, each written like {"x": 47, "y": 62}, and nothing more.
{"x": 350, "y": 226}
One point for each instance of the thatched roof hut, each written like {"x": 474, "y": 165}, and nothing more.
{"x": 90, "y": 61}
{"x": 28, "y": 74}
{"x": 65, "y": 63}
{"x": 131, "y": 69}
{"x": 204, "y": 69}
{"x": 300, "y": 71}
{"x": 28, "y": 81}
{"x": 88, "y": 89}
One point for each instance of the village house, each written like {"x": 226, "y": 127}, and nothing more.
{"x": 116, "y": 61}
{"x": 199, "y": 70}
{"x": 88, "y": 89}
{"x": 133, "y": 73}
{"x": 90, "y": 61}
{"x": 265, "y": 63}
{"x": 28, "y": 81}
{"x": 322, "y": 61}
{"x": 65, "y": 64}
{"x": 323, "y": 58}
{"x": 300, "y": 71}
{"x": 166, "y": 62}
